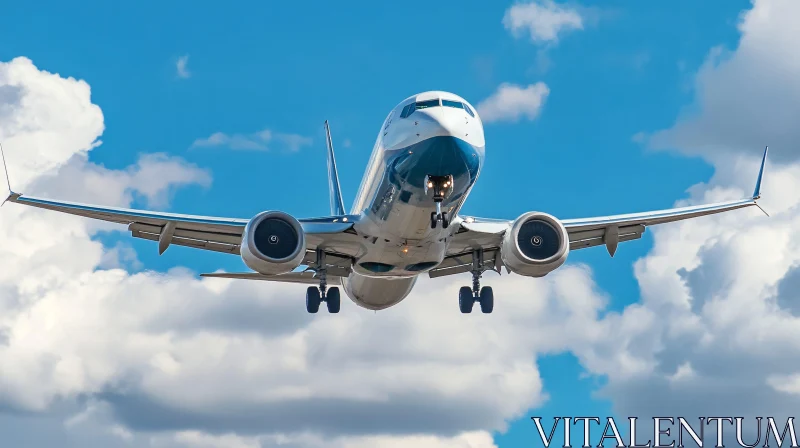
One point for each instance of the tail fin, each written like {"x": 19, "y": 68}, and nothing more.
{"x": 337, "y": 204}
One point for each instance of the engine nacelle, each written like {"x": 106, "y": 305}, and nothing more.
{"x": 273, "y": 243}
{"x": 536, "y": 245}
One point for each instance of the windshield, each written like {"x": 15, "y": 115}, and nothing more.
{"x": 410, "y": 108}
{"x": 427, "y": 104}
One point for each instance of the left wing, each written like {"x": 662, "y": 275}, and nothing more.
{"x": 334, "y": 235}
{"x": 486, "y": 235}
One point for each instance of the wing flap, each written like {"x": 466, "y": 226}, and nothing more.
{"x": 234, "y": 239}
{"x": 462, "y": 262}
{"x": 306, "y": 277}
{"x": 188, "y": 242}
{"x": 591, "y": 242}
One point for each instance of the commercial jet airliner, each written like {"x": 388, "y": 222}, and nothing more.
{"x": 404, "y": 223}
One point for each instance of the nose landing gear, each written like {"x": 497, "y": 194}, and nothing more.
{"x": 441, "y": 186}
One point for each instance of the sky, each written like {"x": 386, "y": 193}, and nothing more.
{"x": 204, "y": 108}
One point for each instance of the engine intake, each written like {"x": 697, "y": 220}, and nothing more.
{"x": 273, "y": 243}
{"x": 536, "y": 245}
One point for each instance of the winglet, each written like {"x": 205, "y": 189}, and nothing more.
{"x": 757, "y": 191}
{"x": 337, "y": 204}
{"x": 11, "y": 194}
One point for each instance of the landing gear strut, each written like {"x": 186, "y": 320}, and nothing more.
{"x": 316, "y": 295}
{"x": 468, "y": 296}
{"x": 441, "y": 186}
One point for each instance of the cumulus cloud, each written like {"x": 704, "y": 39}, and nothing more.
{"x": 542, "y": 20}
{"x": 512, "y": 102}
{"x": 181, "y": 67}
{"x": 258, "y": 141}
{"x": 197, "y": 439}
{"x": 746, "y": 98}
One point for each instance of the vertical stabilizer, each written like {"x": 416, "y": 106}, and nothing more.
{"x": 337, "y": 204}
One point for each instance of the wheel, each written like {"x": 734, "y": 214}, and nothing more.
{"x": 487, "y": 299}
{"x": 333, "y": 300}
{"x": 433, "y": 220}
{"x": 465, "y": 299}
{"x": 312, "y": 299}
{"x": 445, "y": 221}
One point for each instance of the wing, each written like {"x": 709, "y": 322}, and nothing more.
{"x": 333, "y": 235}
{"x": 486, "y": 235}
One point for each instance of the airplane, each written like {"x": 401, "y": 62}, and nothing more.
{"x": 404, "y": 223}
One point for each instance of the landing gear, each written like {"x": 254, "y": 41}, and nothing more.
{"x": 439, "y": 216}
{"x": 465, "y": 299}
{"x": 313, "y": 299}
{"x": 333, "y": 300}
{"x": 468, "y": 296}
{"x": 486, "y": 299}
{"x": 441, "y": 186}
{"x": 315, "y": 296}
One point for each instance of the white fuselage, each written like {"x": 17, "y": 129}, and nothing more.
{"x": 395, "y": 207}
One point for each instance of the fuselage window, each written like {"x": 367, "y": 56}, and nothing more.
{"x": 427, "y": 104}
{"x": 456, "y": 104}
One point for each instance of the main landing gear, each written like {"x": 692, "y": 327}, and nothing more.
{"x": 468, "y": 296}
{"x": 441, "y": 185}
{"x": 315, "y": 296}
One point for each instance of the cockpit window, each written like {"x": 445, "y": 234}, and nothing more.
{"x": 427, "y": 104}
{"x": 469, "y": 111}
{"x": 410, "y": 108}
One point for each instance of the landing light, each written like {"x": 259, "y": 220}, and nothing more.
{"x": 430, "y": 184}
{"x": 405, "y": 250}
{"x": 344, "y": 219}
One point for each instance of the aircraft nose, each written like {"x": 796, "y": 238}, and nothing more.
{"x": 443, "y": 122}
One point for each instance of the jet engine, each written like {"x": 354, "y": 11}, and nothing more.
{"x": 535, "y": 245}
{"x": 273, "y": 243}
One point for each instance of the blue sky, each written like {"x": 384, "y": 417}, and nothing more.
{"x": 288, "y": 67}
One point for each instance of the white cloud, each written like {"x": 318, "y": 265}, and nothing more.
{"x": 747, "y": 98}
{"x": 49, "y": 120}
{"x": 199, "y": 439}
{"x": 542, "y": 20}
{"x": 181, "y": 67}
{"x": 511, "y": 102}
{"x": 258, "y": 141}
